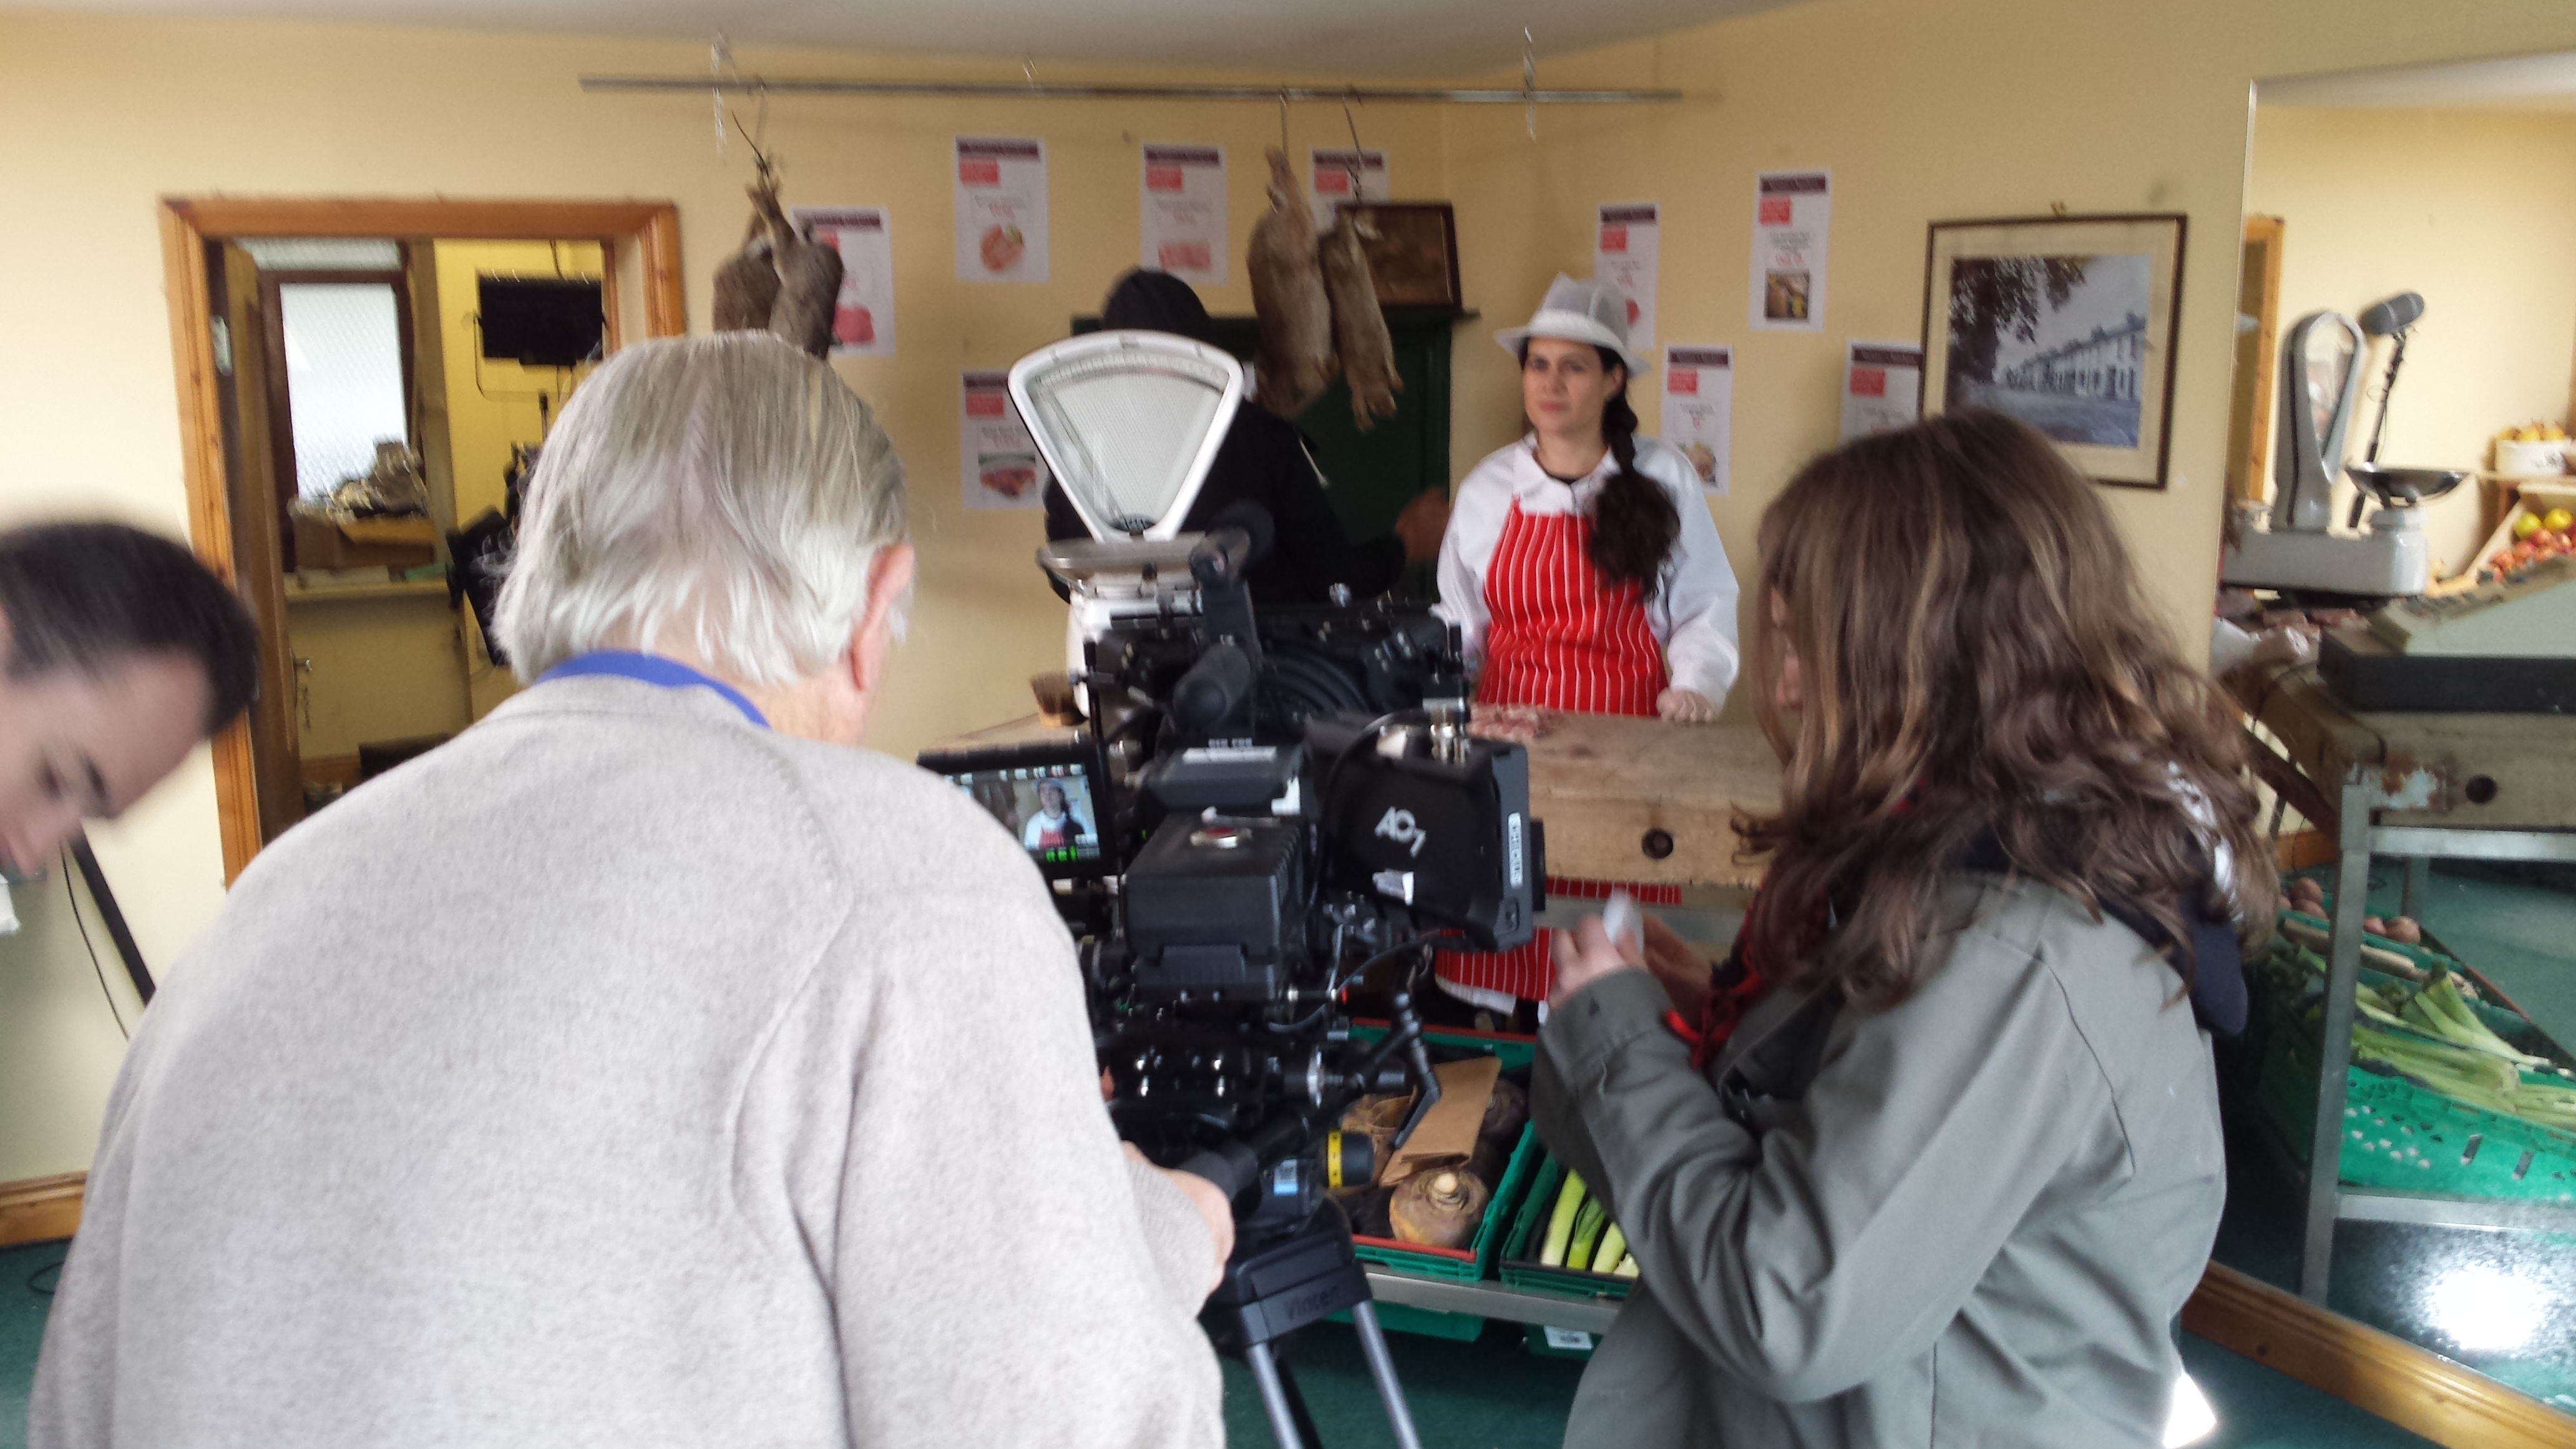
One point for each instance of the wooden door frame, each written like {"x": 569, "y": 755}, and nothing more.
{"x": 188, "y": 223}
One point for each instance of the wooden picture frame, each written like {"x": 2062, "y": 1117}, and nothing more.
{"x": 1413, "y": 257}
{"x": 2065, "y": 322}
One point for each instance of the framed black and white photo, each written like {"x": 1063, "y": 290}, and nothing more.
{"x": 2065, "y": 322}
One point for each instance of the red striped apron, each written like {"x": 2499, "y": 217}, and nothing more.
{"x": 1557, "y": 637}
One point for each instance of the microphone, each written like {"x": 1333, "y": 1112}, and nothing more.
{"x": 2393, "y": 315}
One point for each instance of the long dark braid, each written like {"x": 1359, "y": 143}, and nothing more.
{"x": 1634, "y": 522}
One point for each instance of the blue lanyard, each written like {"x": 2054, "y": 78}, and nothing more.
{"x": 655, "y": 670}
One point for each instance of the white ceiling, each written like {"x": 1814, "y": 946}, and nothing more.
{"x": 1411, "y": 38}
{"x": 2514, "y": 83}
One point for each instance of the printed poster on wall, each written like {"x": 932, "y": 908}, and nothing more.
{"x": 863, "y": 317}
{"x": 1882, "y": 387}
{"x": 1001, "y": 210}
{"x": 1345, "y": 175}
{"x": 1183, "y": 228}
{"x": 1623, "y": 254}
{"x": 1699, "y": 409}
{"x": 996, "y": 456}
{"x": 1791, "y": 212}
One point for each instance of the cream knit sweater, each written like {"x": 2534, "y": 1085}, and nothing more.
{"x": 622, "y": 1074}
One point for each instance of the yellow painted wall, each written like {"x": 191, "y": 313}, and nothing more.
{"x": 169, "y": 107}
{"x": 382, "y": 669}
{"x": 1981, "y": 108}
{"x": 2474, "y": 209}
{"x": 1968, "y": 108}
{"x": 491, "y": 405}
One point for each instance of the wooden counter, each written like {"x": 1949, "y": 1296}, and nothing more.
{"x": 1605, "y": 786}
{"x": 2462, "y": 771}
{"x": 1612, "y": 793}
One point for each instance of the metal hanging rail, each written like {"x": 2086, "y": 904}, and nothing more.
{"x": 1491, "y": 96}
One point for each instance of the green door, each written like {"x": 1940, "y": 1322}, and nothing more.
{"x": 1371, "y": 476}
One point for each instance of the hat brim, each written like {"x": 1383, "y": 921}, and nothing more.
{"x": 1573, "y": 327}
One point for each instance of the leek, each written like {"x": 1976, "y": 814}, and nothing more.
{"x": 1560, "y": 1222}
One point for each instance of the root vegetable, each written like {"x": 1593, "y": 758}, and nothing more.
{"x": 1439, "y": 1209}
{"x": 2374, "y": 925}
{"x": 1505, "y": 1111}
{"x": 1369, "y": 1213}
{"x": 2404, "y": 929}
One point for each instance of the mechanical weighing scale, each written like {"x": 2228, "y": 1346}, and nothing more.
{"x": 2297, "y": 548}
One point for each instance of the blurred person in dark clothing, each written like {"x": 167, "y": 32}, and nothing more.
{"x": 1265, "y": 460}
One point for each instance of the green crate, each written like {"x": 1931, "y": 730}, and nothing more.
{"x": 1521, "y": 1268}
{"x": 1427, "y": 1322}
{"x": 1458, "y": 1265}
{"x": 2396, "y": 1134}
{"x": 1476, "y": 1260}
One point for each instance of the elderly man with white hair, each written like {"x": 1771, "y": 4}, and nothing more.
{"x": 649, "y": 1065}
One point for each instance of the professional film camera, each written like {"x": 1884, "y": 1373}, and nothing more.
{"x": 1263, "y": 807}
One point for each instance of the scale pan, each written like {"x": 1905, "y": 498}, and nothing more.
{"x": 2404, "y": 487}
{"x": 1129, "y": 422}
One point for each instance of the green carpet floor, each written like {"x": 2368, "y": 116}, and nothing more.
{"x": 1492, "y": 1394}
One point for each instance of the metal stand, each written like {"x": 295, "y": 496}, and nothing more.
{"x": 1274, "y": 1288}
{"x": 2358, "y": 838}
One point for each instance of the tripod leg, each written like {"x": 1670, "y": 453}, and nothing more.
{"x": 1297, "y": 1414}
{"x": 1382, "y": 1369}
{"x": 1274, "y": 1395}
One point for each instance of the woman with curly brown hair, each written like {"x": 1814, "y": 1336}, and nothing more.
{"x": 1934, "y": 1157}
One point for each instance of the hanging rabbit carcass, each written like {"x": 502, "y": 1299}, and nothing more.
{"x": 1288, "y": 300}
{"x": 1360, "y": 337}
{"x": 801, "y": 277}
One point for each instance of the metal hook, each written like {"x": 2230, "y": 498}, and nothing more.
{"x": 1529, "y": 82}
{"x": 1359, "y": 159}
{"x": 719, "y": 55}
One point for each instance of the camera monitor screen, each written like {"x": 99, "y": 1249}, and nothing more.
{"x": 1044, "y": 798}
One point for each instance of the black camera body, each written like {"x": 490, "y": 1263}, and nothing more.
{"x": 1286, "y": 802}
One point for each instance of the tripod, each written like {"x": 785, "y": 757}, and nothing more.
{"x": 1282, "y": 1284}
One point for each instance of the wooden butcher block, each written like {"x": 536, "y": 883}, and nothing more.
{"x": 1642, "y": 800}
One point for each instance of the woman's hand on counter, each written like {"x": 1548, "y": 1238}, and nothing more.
{"x": 1584, "y": 955}
{"x": 1685, "y": 706}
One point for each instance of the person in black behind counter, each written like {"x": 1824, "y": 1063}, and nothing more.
{"x": 1264, "y": 460}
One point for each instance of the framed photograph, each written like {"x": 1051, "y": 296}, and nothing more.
{"x": 1413, "y": 257}
{"x": 2065, "y": 322}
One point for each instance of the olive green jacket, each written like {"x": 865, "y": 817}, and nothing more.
{"x": 1968, "y": 1218}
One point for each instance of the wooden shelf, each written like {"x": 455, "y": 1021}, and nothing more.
{"x": 367, "y": 593}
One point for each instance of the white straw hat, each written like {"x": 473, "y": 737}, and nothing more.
{"x": 1593, "y": 312}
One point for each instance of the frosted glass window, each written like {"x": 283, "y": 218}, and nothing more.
{"x": 322, "y": 254}
{"x": 344, "y": 377}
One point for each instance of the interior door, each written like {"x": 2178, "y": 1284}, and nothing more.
{"x": 2258, "y": 320}
{"x": 252, "y": 496}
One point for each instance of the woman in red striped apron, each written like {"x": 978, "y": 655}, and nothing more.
{"x": 1585, "y": 573}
